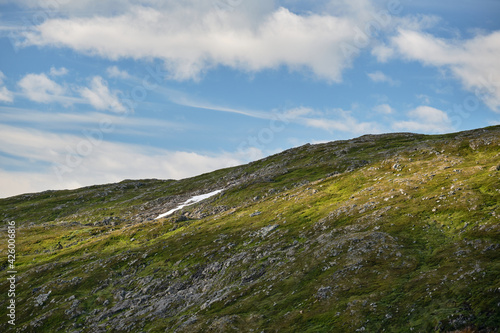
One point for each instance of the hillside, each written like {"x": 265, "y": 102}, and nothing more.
{"x": 395, "y": 232}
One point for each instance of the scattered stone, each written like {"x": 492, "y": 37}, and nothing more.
{"x": 40, "y": 299}
{"x": 324, "y": 293}
{"x": 266, "y": 230}
{"x": 257, "y": 213}
{"x": 397, "y": 167}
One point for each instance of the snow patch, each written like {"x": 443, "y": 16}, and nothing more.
{"x": 193, "y": 200}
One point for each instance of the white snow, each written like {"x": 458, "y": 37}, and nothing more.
{"x": 193, "y": 200}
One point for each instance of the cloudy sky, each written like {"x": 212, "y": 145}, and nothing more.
{"x": 95, "y": 91}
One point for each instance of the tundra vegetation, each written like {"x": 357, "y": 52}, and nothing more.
{"x": 382, "y": 233}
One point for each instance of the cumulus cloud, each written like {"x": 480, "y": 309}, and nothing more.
{"x": 58, "y": 71}
{"x": 194, "y": 36}
{"x": 382, "y": 52}
{"x": 383, "y": 109}
{"x": 474, "y": 62}
{"x": 425, "y": 119}
{"x": 69, "y": 161}
{"x": 380, "y": 77}
{"x": 39, "y": 88}
{"x": 115, "y": 72}
{"x": 100, "y": 97}
{"x": 5, "y": 94}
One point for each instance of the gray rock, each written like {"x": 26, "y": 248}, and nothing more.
{"x": 266, "y": 230}
{"x": 40, "y": 299}
{"x": 324, "y": 293}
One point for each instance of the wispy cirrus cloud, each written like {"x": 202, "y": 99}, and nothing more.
{"x": 65, "y": 121}
{"x": 341, "y": 121}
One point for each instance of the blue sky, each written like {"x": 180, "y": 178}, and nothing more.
{"x": 95, "y": 92}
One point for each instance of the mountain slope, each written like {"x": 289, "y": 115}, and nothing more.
{"x": 395, "y": 232}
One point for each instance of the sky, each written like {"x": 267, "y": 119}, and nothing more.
{"x": 95, "y": 92}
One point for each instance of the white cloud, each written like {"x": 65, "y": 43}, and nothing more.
{"x": 84, "y": 8}
{"x": 115, "y": 72}
{"x": 425, "y": 119}
{"x": 294, "y": 113}
{"x": 75, "y": 161}
{"x": 424, "y": 98}
{"x": 418, "y": 22}
{"x": 69, "y": 121}
{"x": 184, "y": 99}
{"x": 39, "y": 88}
{"x": 474, "y": 62}
{"x": 5, "y": 94}
{"x": 194, "y": 36}
{"x": 383, "y": 109}
{"x": 382, "y": 52}
{"x": 58, "y": 71}
{"x": 343, "y": 121}
{"x": 99, "y": 96}
{"x": 380, "y": 77}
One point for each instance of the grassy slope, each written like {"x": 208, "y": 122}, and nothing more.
{"x": 393, "y": 232}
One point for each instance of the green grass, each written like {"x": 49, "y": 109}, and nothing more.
{"x": 397, "y": 248}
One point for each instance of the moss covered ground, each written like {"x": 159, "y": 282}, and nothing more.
{"x": 389, "y": 233}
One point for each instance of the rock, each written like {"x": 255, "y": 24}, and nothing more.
{"x": 397, "y": 167}
{"x": 257, "y": 213}
{"x": 73, "y": 311}
{"x": 182, "y": 218}
{"x": 324, "y": 293}
{"x": 266, "y": 230}
{"x": 40, "y": 299}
